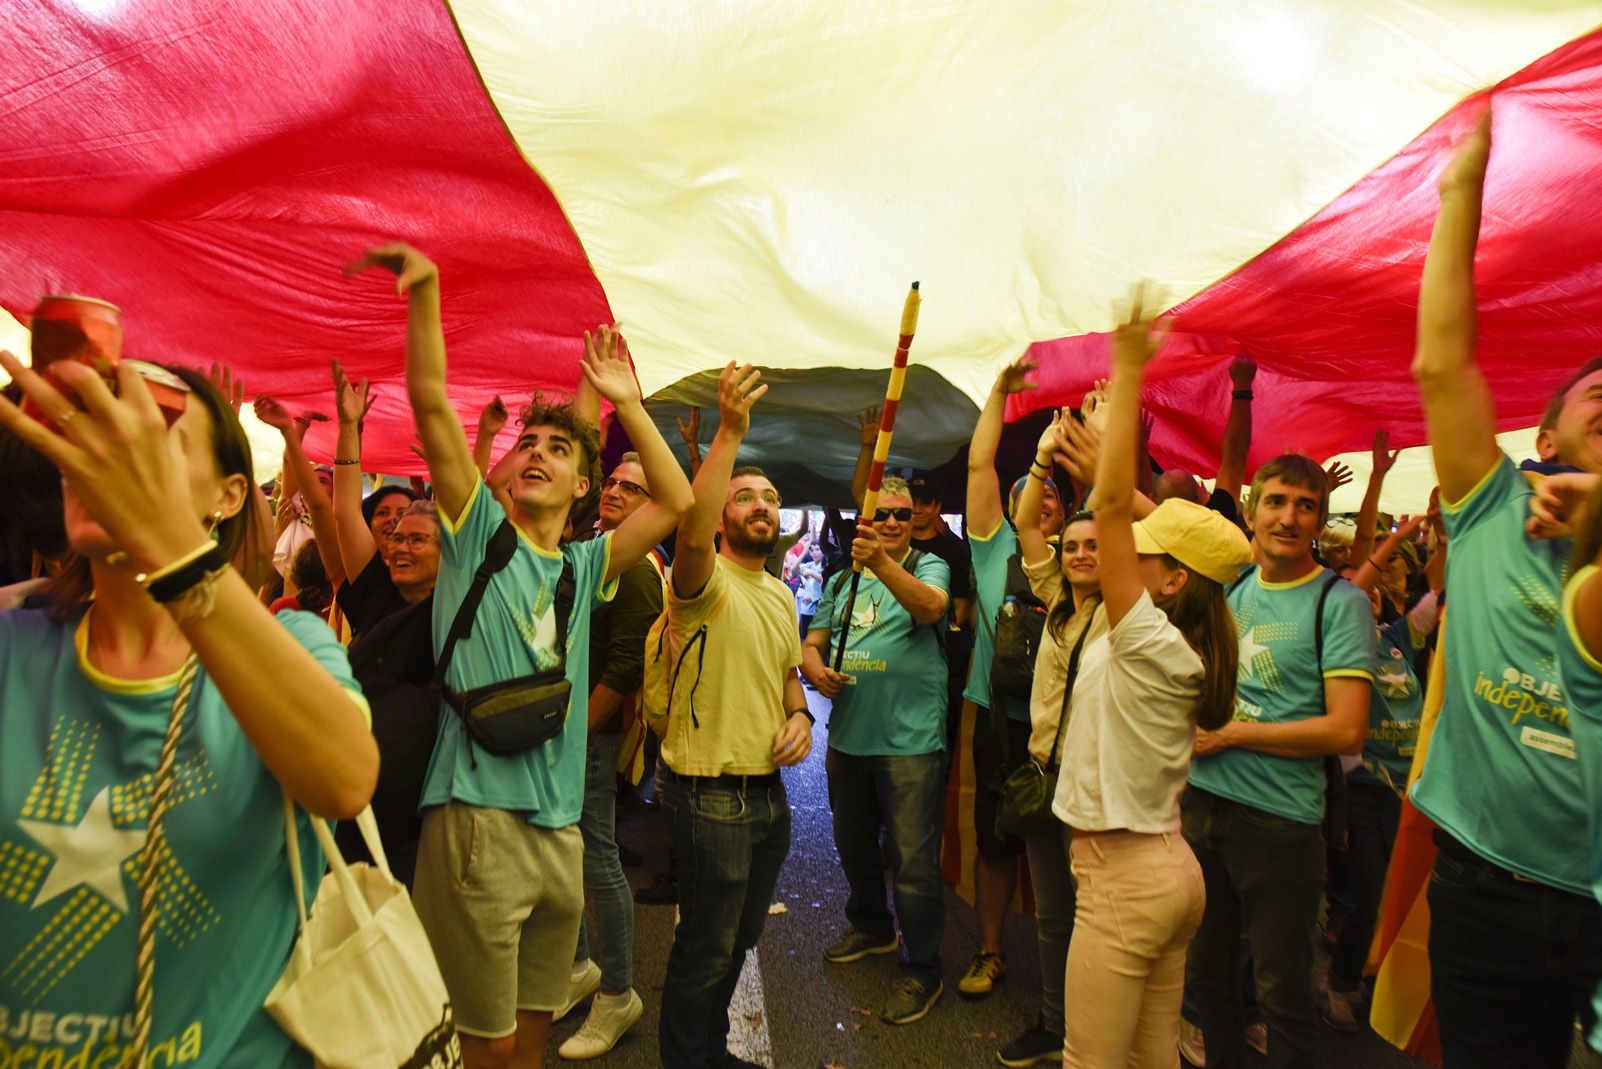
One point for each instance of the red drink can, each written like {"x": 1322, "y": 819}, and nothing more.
{"x": 67, "y": 326}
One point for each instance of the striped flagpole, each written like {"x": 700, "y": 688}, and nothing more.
{"x": 160, "y": 796}
{"x": 881, "y": 449}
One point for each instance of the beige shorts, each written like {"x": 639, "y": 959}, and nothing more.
{"x": 500, "y": 899}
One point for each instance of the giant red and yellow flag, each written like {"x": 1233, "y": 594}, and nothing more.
{"x": 759, "y": 181}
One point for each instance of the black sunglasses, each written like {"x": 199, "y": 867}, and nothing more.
{"x": 901, "y": 514}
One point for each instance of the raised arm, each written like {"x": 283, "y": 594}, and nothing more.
{"x": 490, "y": 421}
{"x": 1031, "y": 539}
{"x": 318, "y": 506}
{"x": 1373, "y": 564}
{"x": 690, "y": 431}
{"x": 1368, "y": 513}
{"x": 1133, "y": 345}
{"x": 607, "y": 369}
{"x": 450, "y": 461}
{"x": 1457, "y": 401}
{"x": 868, "y": 422}
{"x": 984, "y": 511}
{"x": 695, "y": 549}
{"x": 355, "y": 537}
{"x": 1237, "y": 428}
{"x": 129, "y": 473}
{"x": 924, "y": 602}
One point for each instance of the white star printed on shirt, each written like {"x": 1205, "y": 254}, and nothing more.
{"x": 1249, "y": 649}
{"x": 90, "y": 853}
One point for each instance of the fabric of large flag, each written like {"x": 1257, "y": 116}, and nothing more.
{"x": 761, "y": 182}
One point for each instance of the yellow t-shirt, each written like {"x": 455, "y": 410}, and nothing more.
{"x": 728, "y": 704}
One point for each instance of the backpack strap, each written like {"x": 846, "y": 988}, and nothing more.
{"x": 1318, "y": 619}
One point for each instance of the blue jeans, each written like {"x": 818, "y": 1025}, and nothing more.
{"x": 906, "y": 796}
{"x": 731, "y": 834}
{"x": 605, "y": 886}
{"x": 1512, "y": 962}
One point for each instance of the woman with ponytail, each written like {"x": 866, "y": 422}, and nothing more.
{"x": 1166, "y": 664}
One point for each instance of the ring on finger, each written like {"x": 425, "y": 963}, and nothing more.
{"x": 66, "y": 417}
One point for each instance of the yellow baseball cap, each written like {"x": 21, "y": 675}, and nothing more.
{"x": 1196, "y": 537}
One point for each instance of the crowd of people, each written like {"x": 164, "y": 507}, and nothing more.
{"x": 1196, "y": 715}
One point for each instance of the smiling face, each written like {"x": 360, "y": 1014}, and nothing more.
{"x": 386, "y": 514}
{"x": 1285, "y": 519}
{"x": 1576, "y": 436}
{"x": 621, "y": 493}
{"x": 750, "y": 520}
{"x": 894, "y": 534}
{"x": 549, "y": 471}
{"x": 926, "y": 518}
{"x": 1078, "y": 557}
{"x": 414, "y": 553}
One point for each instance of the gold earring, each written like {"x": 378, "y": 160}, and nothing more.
{"x": 212, "y": 527}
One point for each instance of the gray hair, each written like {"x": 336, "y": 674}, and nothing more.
{"x": 422, "y": 507}
{"x": 895, "y": 484}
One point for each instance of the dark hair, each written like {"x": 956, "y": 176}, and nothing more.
{"x": 748, "y": 469}
{"x": 371, "y": 502}
{"x": 1554, "y": 407}
{"x": 239, "y": 535}
{"x": 1201, "y": 613}
{"x": 30, "y": 487}
{"x": 1297, "y": 470}
{"x": 539, "y": 412}
{"x": 315, "y": 592}
{"x": 1065, "y": 610}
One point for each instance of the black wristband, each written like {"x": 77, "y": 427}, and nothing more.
{"x": 804, "y": 711}
{"x": 175, "y": 585}
{"x": 1241, "y": 395}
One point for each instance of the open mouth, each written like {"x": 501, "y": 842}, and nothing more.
{"x": 535, "y": 475}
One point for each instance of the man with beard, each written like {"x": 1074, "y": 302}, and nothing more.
{"x": 887, "y": 745}
{"x": 617, "y": 662}
{"x": 736, "y": 713}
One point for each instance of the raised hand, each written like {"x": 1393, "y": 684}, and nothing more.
{"x": 232, "y": 388}
{"x": 493, "y": 417}
{"x": 351, "y": 403}
{"x": 1339, "y": 475}
{"x": 409, "y": 266}
{"x": 606, "y": 366}
{"x": 1384, "y": 458}
{"x": 1078, "y": 449}
{"x": 866, "y": 549}
{"x": 115, "y": 454}
{"x": 1137, "y": 340}
{"x": 274, "y": 414}
{"x": 738, "y": 390}
{"x": 1147, "y": 423}
{"x": 691, "y": 431}
{"x": 1467, "y": 167}
{"x": 1242, "y": 371}
{"x": 868, "y": 422}
{"x": 1014, "y": 378}
{"x": 1094, "y": 406}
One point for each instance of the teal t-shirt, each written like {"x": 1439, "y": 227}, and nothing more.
{"x": 896, "y": 702}
{"x": 990, "y": 556}
{"x": 513, "y": 635}
{"x": 1582, "y": 682}
{"x": 1394, "y": 708}
{"x": 1280, "y": 682}
{"x": 1500, "y": 775}
{"x": 78, "y": 752}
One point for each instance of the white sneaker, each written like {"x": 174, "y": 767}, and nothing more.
{"x": 610, "y": 1017}
{"x": 582, "y": 983}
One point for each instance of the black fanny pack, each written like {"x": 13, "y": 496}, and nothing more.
{"x": 516, "y": 715}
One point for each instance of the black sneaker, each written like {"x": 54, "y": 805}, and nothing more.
{"x": 663, "y": 891}
{"x": 912, "y": 1001}
{"x": 1037, "y": 1045}
{"x": 855, "y": 945}
{"x": 732, "y": 1060}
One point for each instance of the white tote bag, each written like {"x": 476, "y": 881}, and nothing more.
{"x": 362, "y": 989}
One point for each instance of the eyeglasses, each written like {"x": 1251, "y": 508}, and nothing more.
{"x": 902, "y": 515}
{"x": 411, "y": 541}
{"x": 751, "y": 497}
{"x": 632, "y": 489}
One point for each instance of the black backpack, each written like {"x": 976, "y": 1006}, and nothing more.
{"x": 1020, "y": 626}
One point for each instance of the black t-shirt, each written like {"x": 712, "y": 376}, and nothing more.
{"x": 369, "y": 597}
{"x": 1226, "y": 506}
{"x": 955, "y": 552}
